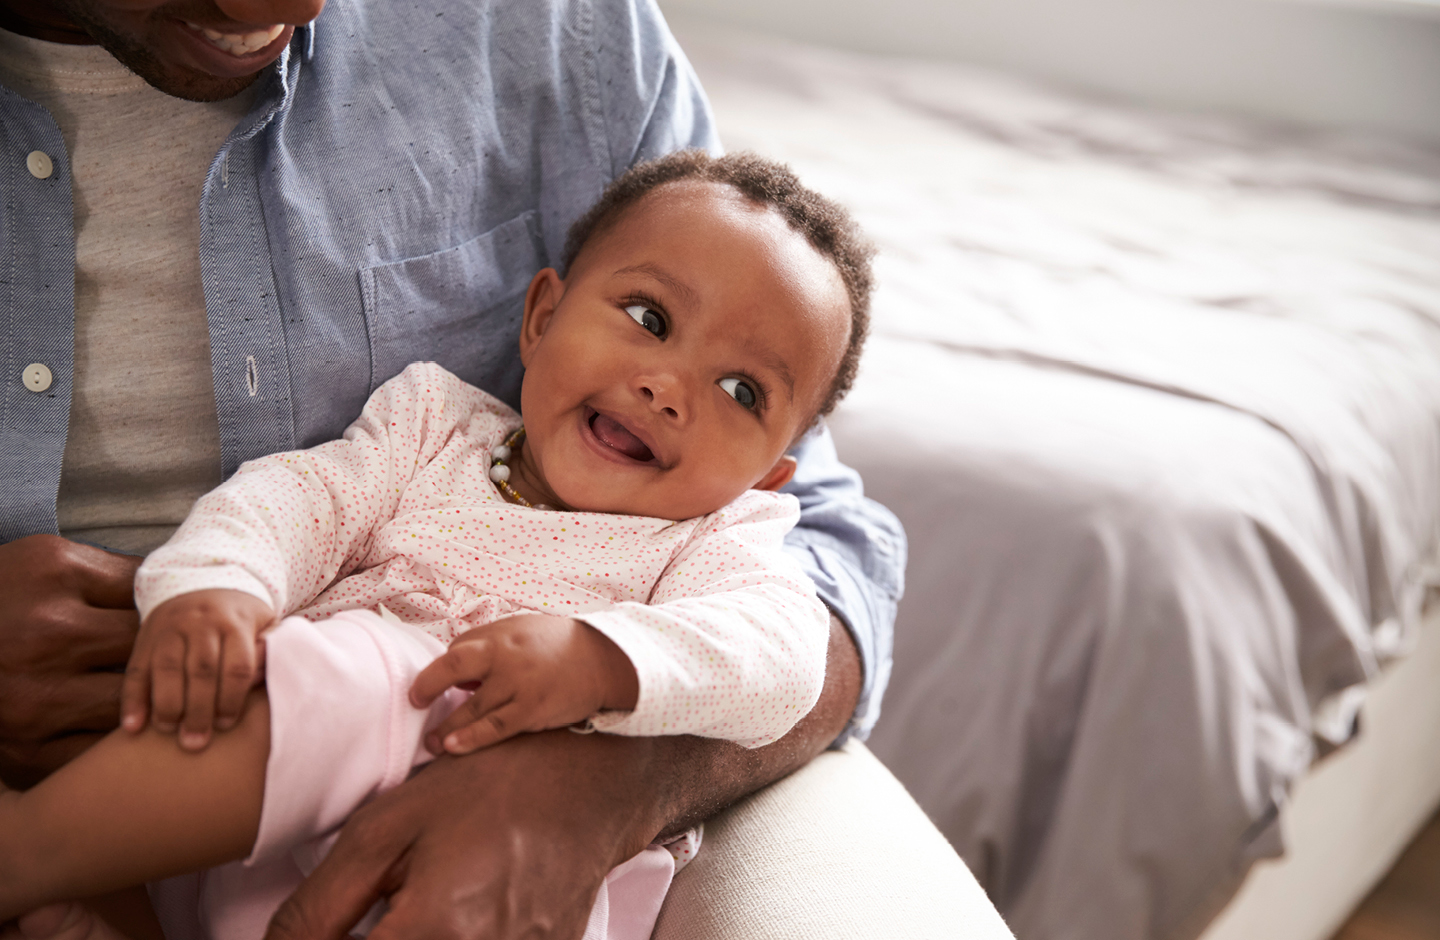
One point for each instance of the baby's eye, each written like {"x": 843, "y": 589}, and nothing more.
{"x": 741, "y": 391}
{"x": 647, "y": 318}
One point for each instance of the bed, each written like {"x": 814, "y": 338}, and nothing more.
{"x": 1157, "y": 398}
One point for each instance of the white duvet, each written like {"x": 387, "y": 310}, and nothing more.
{"x": 1158, "y": 401}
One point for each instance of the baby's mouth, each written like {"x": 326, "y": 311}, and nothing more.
{"x": 614, "y": 435}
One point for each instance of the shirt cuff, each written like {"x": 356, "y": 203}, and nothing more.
{"x": 153, "y": 588}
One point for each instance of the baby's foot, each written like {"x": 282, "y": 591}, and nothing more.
{"x": 67, "y": 921}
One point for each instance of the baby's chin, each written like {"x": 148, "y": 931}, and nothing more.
{"x": 654, "y": 509}
{"x": 655, "y": 505}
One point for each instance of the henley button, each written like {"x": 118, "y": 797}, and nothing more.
{"x": 37, "y": 377}
{"x": 40, "y": 164}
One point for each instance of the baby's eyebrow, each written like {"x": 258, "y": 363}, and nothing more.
{"x": 776, "y": 364}
{"x": 680, "y": 287}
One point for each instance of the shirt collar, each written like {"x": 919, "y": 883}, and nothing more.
{"x": 280, "y": 79}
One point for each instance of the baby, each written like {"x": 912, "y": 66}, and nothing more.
{"x": 612, "y": 564}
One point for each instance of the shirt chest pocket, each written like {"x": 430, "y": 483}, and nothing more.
{"x": 459, "y": 307}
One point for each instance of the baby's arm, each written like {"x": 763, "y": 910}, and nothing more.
{"x": 281, "y": 530}
{"x": 131, "y": 809}
{"x": 732, "y": 646}
{"x": 532, "y": 672}
{"x": 195, "y": 658}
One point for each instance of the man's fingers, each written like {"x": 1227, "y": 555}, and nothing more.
{"x": 55, "y": 634}
{"x": 24, "y": 765}
{"x": 506, "y": 843}
{"x": 64, "y": 921}
{"x": 101, "y": 638}
{"x": 357, "y": 873}
{"x": 76, "y": 712}
{"x": 87, "y": 702}
{"x": 105, "y": 578}
{"x": 79, "y": 637}
{"x": 463, "y": 663}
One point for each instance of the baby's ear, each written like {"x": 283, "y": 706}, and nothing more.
{"x": 779, "y": 474}
{"x": 546, "y": 289}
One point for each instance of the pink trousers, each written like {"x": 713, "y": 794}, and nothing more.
{"x": 342, "y": 731}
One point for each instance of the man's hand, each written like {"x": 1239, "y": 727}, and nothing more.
{"x": 195, "y": 660}
{"x": 67, "y": 622}
{"x": 530, "y": 672}
{"x": 508, "y": 842}
{"x": 513, "y": 841}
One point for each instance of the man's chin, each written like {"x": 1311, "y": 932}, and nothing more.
{"x": 197, "y": 86}
{"x": 178, "y": 79}
{"x": 181, "y": 81}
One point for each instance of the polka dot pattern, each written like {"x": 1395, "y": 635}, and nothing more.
{"x": 683, "y": 847}
{"x": 724, "y": 629}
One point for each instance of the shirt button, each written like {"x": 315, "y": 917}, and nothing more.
{"x": 37, "y": 377}
{"x": 40, "y": 164}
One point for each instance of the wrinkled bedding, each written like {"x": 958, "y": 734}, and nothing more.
{"x": 1157, "y": 398}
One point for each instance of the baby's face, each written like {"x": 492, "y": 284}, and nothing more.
{"x": 678, "y": 360}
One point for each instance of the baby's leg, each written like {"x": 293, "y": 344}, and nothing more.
{"x": 132, "y": 809}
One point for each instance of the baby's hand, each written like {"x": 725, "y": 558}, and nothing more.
{"x": 194, "y": 660}
{"x": 530, "y": 672}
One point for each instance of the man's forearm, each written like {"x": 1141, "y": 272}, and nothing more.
{"x": 703, "y": 775}
{"x": 514, "y": 840}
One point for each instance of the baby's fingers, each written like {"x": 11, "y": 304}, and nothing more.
{"x": 202, "y": 675}
{"x": 135, "y": 689}
{"x": 492, "y": 727}
{"x": 490, "y": 696}
{"x": 237, "y": 675}
{"x": 167, "y": 682}
{"x": 465, "y": 663}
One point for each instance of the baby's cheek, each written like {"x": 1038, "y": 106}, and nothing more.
{"x": 658, "y": 498}
{"x": 695, "y": 494}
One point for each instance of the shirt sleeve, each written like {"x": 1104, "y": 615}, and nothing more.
{"x": 732, "y": 644}
{"x": 285, "y": 526}
{"x": 651, "y": 101}
{"x": 854, "y": 550}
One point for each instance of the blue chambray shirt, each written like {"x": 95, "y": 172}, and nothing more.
{"x": 404, "y": 172}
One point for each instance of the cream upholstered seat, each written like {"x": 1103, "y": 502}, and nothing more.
{"x": 837, "y": 850}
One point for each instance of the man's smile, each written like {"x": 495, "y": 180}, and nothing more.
{"x": 235, "y": 50}
{"x": 239, "y": 43}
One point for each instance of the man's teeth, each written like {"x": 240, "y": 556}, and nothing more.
{"x": 240, "y": 43}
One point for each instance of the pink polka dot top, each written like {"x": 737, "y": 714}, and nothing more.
{"x": 725, "y": 631}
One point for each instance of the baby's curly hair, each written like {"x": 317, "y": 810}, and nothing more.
{"x": 826, "y": 225}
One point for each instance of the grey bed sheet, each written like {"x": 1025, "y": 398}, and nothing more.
{"x": 1158, "y": 401}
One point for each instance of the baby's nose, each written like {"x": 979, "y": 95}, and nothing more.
{"x": 665, "y": 394}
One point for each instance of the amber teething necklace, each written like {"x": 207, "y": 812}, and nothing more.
{"x": 500, "y": 474}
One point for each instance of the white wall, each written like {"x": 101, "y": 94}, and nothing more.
{"x": 1364, "y": 63}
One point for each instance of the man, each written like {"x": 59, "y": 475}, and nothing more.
{"x": 388, "y": 177}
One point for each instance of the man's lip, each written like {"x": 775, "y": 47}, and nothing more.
{"x": 212, "y": 60}
{"x": 606, "y": 449}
